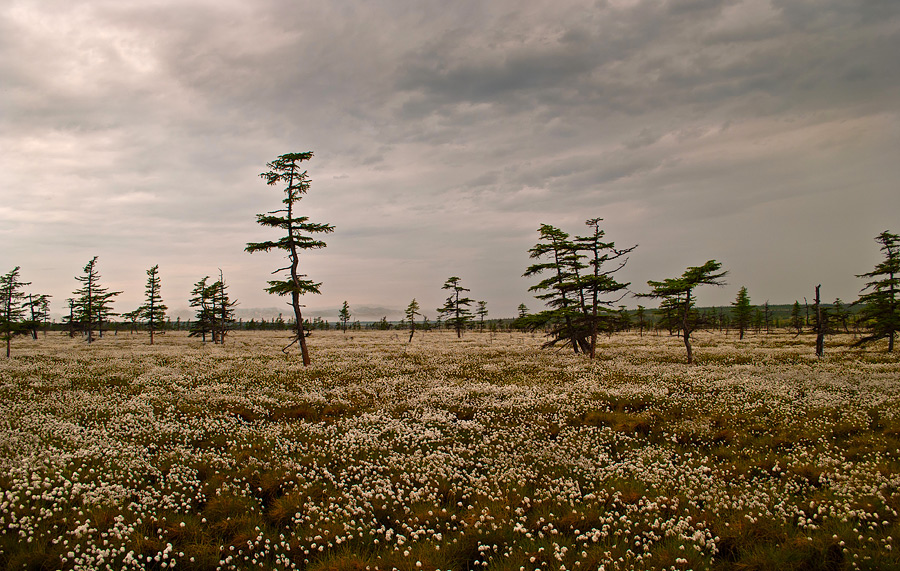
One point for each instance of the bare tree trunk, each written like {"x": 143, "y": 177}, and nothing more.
{"x": 894, "y": 308}
{"x": 8, "y": 332}
{"x": 301, "y": 335}
{"x": 820, "y": 326}
{"x": 686, "y": 332}
{"x": 295, "y": 278}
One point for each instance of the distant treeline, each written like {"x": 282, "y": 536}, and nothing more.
{"x": 719, "y": 318}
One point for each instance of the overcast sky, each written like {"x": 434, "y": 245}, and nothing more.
{"x": 763, "y": 134}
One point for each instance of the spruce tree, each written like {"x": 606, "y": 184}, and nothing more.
{"x": 523, "y": 311}
{"x": 153, "y": 310}
{"x": 298, "y": 236}
{"x": 344, "y": 316}
{"x": 797, "y": 317}
{"x": 481, "y": 311}
{"x": 12, "y": 307}
{"x": 742, "y": 311}
{"x": 880, "y": 305}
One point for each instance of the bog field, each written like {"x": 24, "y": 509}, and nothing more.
{"x": 481, "y": 453}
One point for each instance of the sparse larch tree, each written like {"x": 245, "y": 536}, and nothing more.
{"x": 153, "y": 310}
{"x": 132, "y": 317}
{"x": 456, "y": 307}
{"x": 599, "y": 281}
{"x": 298, "y": 236}
{"x": 104, "y": 308}
{"x": 841, "y": 314}
{"x": 12, "y": 308}
{"x": 581, "y": 289}
{"x": 678, "y": 293}
{"x": 880, "y": 305}
{"x": 222, "y": 309}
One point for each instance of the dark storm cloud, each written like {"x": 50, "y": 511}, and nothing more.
{"x": 445, "y": 134}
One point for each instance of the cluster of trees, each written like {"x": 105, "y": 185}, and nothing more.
{"x": 20, "y": 313}
{"x": 91, "y": 307}
{"x": 215, "y": 309}
{"x": 578, "y": 285}
{"x": 580, "y": 290}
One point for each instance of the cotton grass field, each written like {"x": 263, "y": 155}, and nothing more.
{"x": 482, "y": 453}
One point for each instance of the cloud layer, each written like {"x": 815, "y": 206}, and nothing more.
{"x": 762, "y": 134}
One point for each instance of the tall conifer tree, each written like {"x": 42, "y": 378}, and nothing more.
{"x": 38, "y": 306}
{"x": 880, "y": 305}
{"x": 153, "y": 310}
{"x": 298, "y": 236}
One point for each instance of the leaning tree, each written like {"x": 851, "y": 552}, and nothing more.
{"x": 412, "y": 310}
{"x": 298, "y": 236}
{"x": 880, "y": 305}
{"x": 38, "y": 306}
{"x": 678, "y": 293}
